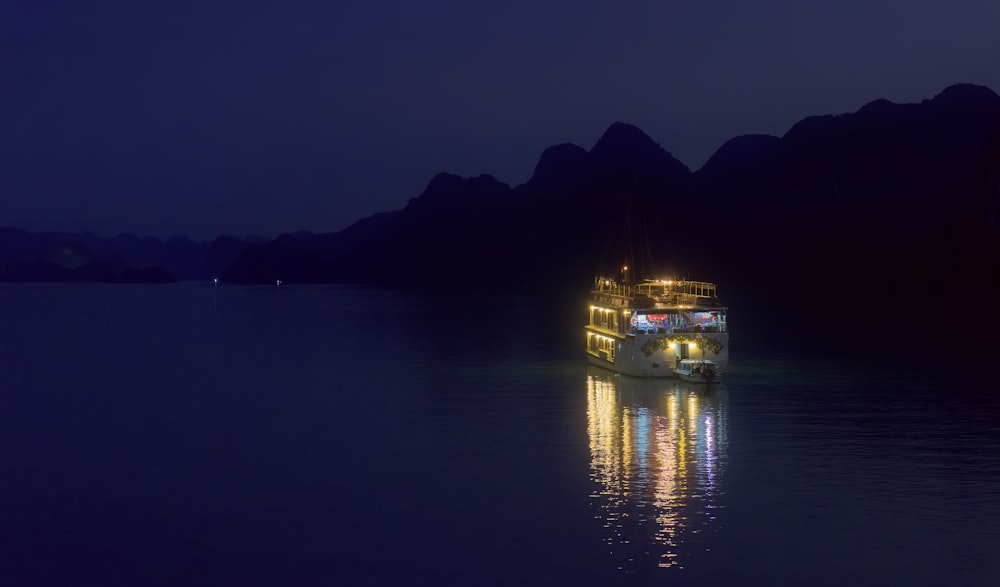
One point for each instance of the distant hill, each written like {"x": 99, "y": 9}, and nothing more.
{"x": 886, "y": 172}
{"x": 485, "y": 234}
{"x": 127, "y": 258}
{"x": 894, "y": 206}
{"x": 892, "y": 210}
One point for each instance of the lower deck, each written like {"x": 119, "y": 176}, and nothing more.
{"x": 654, "y": 355}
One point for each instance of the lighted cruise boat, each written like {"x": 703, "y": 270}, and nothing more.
{"x": 647, "y": 328}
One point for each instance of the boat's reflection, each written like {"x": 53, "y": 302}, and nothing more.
{"x": 658, "y": 451}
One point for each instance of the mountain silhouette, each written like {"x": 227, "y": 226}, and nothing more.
{"x": 874, "y": 213}
{"x": 70, "y": 257}
{"x": 624, "y": 150}
{"x": 889, "y": 175}
{"x": 841, "y": 215}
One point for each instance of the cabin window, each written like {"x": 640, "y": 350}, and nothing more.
{"x": 662, "y": 322}
{"x": 605, "y": 318}
{"x": 598, "y": 345}
{"x": 702, "y": 321}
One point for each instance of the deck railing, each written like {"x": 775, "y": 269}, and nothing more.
{"x": 675, "y": 330}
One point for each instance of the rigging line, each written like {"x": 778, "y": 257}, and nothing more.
{"x": 627, "y": 251}
{"x": 644, "y": 258}
{"x": 635, "y": 206}
{"x": 635, "y": 230}
{"x": 634, "y": 224}
{"x": 603, "y": 265}
{"x": 646, "y": 233}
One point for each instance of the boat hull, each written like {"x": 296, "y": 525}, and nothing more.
{"x": 641, "y": 386}
{"x": 652, "y": 356}
{"x": 699, "y": 379}
{"x": 652, "y": 371}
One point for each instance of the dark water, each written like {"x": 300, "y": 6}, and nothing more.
{"x": 191, "y": 435}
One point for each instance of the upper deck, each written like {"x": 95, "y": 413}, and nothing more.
{"x": 656, "y": 294}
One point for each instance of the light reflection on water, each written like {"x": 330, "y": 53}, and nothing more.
{"x": 658, "y": 456}
{"x": 195, "y": 431}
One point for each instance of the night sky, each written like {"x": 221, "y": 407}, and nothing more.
{"x": 209, "y": 117}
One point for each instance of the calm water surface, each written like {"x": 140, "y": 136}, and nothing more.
{"x": 199, "y": 435}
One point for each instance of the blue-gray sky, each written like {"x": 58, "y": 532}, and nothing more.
{"x": 212, "y": 116}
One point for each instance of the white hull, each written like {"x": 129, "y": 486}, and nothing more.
{"x": 650, "y": 355}
{"x": 636, "y": 385}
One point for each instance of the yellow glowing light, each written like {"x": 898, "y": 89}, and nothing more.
{"x": 657, "y": 462}
{"x": 673, "y": 345}
{"x": 693, "y": 346}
